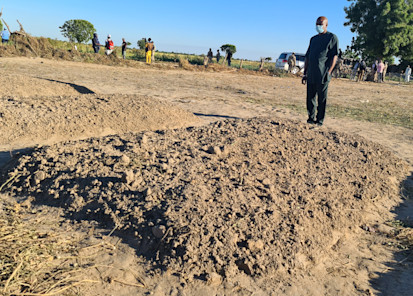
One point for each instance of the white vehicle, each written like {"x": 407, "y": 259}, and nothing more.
{"x": 282, "y": 62}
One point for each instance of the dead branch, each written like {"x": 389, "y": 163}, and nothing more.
{"x": 6, "y": 25}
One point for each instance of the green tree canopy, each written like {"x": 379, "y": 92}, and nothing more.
{"x": 78, "y": 30}
{"x": 141, "y": 43}
{"x": 229, "y": 48}
{"x": 384, "y": 28}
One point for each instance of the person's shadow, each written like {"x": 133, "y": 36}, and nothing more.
{"x": 79, "y": 88}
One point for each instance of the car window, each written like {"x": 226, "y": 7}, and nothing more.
{"x": 283, "y": 56}
{"x": 301, "y": 58}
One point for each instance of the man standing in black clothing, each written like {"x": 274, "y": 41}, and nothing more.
{"x": 124, "y": 45}
{"x": 95, "y": 43}
{"x": 320, "y": 59}
{"x": 210, "y": 55}
{"x": 229, "y": 57}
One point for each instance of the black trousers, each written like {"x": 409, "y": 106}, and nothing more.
{"x": 320, "y": 91}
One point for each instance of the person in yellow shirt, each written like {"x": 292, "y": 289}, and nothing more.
{"x": 149, "y": 47}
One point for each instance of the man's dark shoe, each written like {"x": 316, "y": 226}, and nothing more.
{"x": 317, "y": 123}
{"x": 310, "y": 121}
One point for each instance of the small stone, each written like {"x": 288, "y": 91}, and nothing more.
{"x": 159, "y": 231}
{"x": 148, "y": 191}
{"x": 144, "y": 139}
{"x": 255, "y": 246}
{"x": 39, "y": 176}
{"x": 128, "y": 177}
{"x": 124, "y": 159}
{"x": 266, "y": 182}
{"x": 214, "y": 150}
{"x": 214, "y": 279}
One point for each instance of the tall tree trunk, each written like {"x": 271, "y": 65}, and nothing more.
{"x": 6, "y": 25}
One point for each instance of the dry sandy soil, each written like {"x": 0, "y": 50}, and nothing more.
{"x": 210, "y": 184}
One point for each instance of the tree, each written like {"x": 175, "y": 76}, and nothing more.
{"x": 384, "y": 28}
{"x": 78, "y": 30}
{"x": 229, "y": 48}
{"x": 142, "y": 43}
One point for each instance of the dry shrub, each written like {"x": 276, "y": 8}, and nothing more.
{"x": 183, "y": 63}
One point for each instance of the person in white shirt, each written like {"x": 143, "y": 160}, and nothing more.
{"x": 407, "y": 74}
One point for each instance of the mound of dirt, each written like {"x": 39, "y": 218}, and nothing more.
{"x": 26, "y": 86}
{"x": 261, "y": 198}
{"x": 45, "y": 119}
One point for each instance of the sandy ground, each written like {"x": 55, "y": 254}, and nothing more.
{"x": 213, "y": 96}
{"x": 46, "y": 102}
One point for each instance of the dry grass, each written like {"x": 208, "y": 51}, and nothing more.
{"x": 34, "y": 262}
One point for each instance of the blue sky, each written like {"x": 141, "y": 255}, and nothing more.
{"x": 257, "y": 28}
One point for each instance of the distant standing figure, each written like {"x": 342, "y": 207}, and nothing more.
{"x": 355, "y": 69}
{"x": 291, "y": 62}
{"x": 149, "y": 47}
{"x": 218, "y": 56}
{"x": 386, "y": 65}
{"x": 374, "y": 70}
{"x": 5, "y": 36}
{"x": 362, "y": 70}
{"x": 320, "y": 60}
{"x": 153, "y": 52}
{"x": 124, "y": 45}
{"x": 95, "y": 43}
{"x": 229, "y": 57}
{"x": 210, "y": 55}
{"x": 407, "y": 74}
{"x": 380, "y": 68}
{"x": 109, "y": 46}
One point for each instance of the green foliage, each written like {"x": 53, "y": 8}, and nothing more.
{"x": 1, "y": 26}
{"x": 229, "y": 48}
{"x": 141, "y": 43}
{"x": 384, "y": 28}
{"x": 77, "y": 30}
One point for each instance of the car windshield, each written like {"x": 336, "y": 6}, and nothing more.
{"x": 283, "y": 56}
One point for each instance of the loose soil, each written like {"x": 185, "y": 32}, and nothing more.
{"x": 256, "y": 203}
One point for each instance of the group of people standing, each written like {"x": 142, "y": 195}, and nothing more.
{"x": 210, "y": 56}
{"x": 378, "y": 70}
{"x": 110, "y": 46}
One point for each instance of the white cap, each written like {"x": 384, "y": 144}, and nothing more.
{"x": 109, "y": 36}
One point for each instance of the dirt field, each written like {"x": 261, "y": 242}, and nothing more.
{"x": 258, "y": 203}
